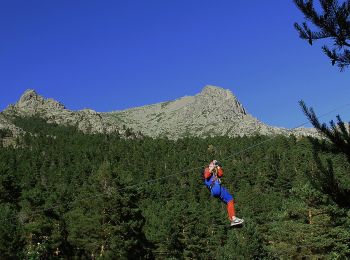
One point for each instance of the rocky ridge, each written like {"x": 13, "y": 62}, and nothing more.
{"x": 213, "y": 112}
{"x": 86, "y": 120}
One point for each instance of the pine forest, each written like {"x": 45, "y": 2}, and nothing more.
{"x": 69, "y": 195}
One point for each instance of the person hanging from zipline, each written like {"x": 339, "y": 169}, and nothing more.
{"x": 211, "y": 176}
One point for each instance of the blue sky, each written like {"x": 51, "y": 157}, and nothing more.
{"x": 113, "y": 55}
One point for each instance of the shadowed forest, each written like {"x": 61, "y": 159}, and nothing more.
{"x": 65, "y": 194}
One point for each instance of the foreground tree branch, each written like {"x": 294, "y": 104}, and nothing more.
{"x": 331, "y": 22}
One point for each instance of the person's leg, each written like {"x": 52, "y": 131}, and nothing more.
{"x": 226, "y": 197}
{"x": 231, "y": 209}
{"x": 216, "y": 190}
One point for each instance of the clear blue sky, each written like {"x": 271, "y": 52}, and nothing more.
{"x": 113, "y": 55}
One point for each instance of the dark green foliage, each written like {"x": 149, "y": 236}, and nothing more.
{"x": 66, "y": 194}
{"x": 10, "y": 232}
{"x": 338, "y": 133}
{"x": 333, "y": 177}
{"x": 5, "y": 133}
{"x": 331, "y": 22}
{"x": 105, "y": 219}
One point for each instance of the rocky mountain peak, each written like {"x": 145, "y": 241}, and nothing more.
{"x": 29, "y": 96}
{"x": 30, "y": 103}
{"x": 220, "y": 98}
{"x": 212, "y": 91}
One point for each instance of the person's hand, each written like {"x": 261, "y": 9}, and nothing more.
{"x": 217, "y": 163}
{"x": 211, "y": 166}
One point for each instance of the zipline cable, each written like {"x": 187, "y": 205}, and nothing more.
{"x": 187, "y": 170}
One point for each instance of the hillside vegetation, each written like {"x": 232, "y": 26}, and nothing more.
{"x": 66, "y": 194}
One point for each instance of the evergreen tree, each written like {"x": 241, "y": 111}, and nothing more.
{"x": 338, "y": 133}
{"x": 11, "y": 243}
{"x": 332, "y": 22}
{"x": 339, "y": 136}
{"x": 105, "y": 220}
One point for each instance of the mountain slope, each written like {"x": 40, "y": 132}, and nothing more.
{"x": 86, "y": 120}
{"x": 213, "y": 112}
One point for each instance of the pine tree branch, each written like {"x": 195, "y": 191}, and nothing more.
{"x": 336, "y": 133}
{"x": 332, "y": 22}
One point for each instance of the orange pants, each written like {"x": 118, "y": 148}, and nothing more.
{"x": 231, "y": 209}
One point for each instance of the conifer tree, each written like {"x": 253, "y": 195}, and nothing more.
{"x": 331, "y": 23}
{"x": 338, "y": 133}
{"x": 105, "y": 220}
{"x": 11, "y": 243}
{"x": 339, "y": 136}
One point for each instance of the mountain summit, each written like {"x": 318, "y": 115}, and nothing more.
{"x": 32, "y": 103}
{"x": 213, "y": 112}
{"x": 221, "y": 98}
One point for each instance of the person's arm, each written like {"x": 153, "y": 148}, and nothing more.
{"x": 207, "y": 173}
{"x": 220, "y": 172}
